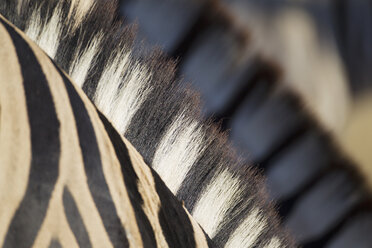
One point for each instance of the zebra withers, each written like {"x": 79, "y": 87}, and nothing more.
{"x": 141, "y": 96}
{"x": 67, "y": 177}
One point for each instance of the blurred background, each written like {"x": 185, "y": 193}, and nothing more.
{"x": 291, "y": 81}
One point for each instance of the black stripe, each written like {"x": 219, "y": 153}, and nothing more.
{"x": 147, "y": 127}
{"x": 176, "y": 225}
{"x": 197, "y": 179}
{"x": 55, "y": 244}
{"x": 45, "y": 147}
{"x": 93, "y": 168}
{"x": 131, "y": 182}
{"x": 74, "y": 219}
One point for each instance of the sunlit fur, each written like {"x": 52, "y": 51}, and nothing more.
{"x": 140, "y": 94}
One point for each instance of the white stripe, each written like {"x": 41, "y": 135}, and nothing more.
{"x": 177, "y": 152}
{"x": 33, "y": 28}
{"x": 131, "y": 96}
{"x": 48, "y": 38}
{"x": 247, "y": 233}
{"x": 110, "y": 80}
{"x": 83, "y": 61}
{"x": 120, "y": 104}
{"x": 215, "y": 201}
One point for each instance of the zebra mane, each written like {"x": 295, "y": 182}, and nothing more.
{"x": 157, "y": 112}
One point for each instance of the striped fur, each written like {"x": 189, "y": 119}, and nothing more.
{"x": 140, "y": 94}
{"x": 75, "y": 181}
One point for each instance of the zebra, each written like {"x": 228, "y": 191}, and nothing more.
{"x": 75, "y": 181}
{"x": 140, "y": 94}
